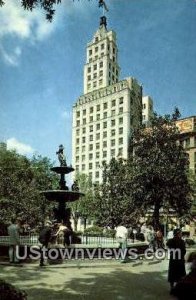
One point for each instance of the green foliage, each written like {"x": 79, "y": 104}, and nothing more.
{"x": 160, "y": 168}
{"x": 21, "y": 181}
{"x": 84, "y": 206}
{"x": 9, "y": 292}
{"x": 94, "y": 230}
{"x": 114, "y": 196}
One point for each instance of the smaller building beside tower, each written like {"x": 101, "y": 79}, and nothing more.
{"x": 147, "y": 110}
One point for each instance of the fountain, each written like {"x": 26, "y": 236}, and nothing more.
{"x": 63, "y": 194}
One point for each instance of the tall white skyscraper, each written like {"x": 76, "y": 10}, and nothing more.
{"x": 105, "y": 115}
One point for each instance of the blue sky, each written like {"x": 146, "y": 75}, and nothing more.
{"x": 42, "y": 64}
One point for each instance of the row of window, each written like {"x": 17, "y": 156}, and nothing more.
{"x": 91, "y": 59}
{"x": 101, "y": 47}
{"x": 105, "y": 133}
{"x": 97, "y": 155}
{"x": 105, "y": 124}
{"x": 84, "y": 140}
{"x": 99, "y": 106}
{"x": 98, "y": 116}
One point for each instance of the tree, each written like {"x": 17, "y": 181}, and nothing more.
{"x": 84, "y": 206}
{"x": 114, "y": 196}
{"x": 21, "y": 181}
{"x": 47, "y": 5}
{"x": 160, "y": 168}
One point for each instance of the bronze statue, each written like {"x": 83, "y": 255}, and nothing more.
{"x": 61, "y": 156}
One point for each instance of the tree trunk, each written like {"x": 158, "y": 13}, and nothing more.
{"x": 156, "y": 223}
{"x": 75, "y": 223}
{"x": 85, "y": 223}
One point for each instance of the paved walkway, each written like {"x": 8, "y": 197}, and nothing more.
{"x": 91, "y": 280}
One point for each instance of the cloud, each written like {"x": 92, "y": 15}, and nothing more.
{"x": 14, "y": 144}
{"x": 11, "y": 58}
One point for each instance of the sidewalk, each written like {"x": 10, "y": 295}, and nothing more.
{"x": 91, "y": 280}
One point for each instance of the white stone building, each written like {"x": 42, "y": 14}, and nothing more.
{"x": 147, "y": 110}
{"x": 105, "y": 115}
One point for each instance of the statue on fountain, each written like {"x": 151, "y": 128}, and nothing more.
{"x": 61, "y": 156}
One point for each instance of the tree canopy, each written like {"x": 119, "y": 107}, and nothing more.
{"x": 21, "y": 181}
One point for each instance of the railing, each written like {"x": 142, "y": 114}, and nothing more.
{"x": 85, "y": 240}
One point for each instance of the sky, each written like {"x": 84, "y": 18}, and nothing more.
{"x": 41, "y": 64}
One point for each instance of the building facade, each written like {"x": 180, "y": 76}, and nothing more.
{"x": 147, "y": 110}
{"x": 108, "y": 111}
{"x": 187, "y": 128}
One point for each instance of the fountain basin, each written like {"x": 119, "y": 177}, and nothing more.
{"x": 62, "y": 170}
{"x": 62, "y": 195}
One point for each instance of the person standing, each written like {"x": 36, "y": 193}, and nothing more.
{"x": 13, "y": 232}
{"x": 44, "y": 238}
{"x": 121, "y": 236}
{"x": 177, "y": 251}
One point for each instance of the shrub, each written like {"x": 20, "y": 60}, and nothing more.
{"x": 9, "y": 292}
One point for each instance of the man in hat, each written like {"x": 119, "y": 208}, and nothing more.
{"x": 177, "y": 251}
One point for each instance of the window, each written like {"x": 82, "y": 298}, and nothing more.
{"x": 116, "y": 72}
{"x": 112, "y": 132}
{"x": 90, "y": 166}
{"x": 97, "y": 174}
{"x": 95, "y": 67}
{"x": 83, "y": 139}
{"x": 114, "y": 50}
{"x": 120, "y": 120}
{"x": 95, "y": 75}
{"x": 104, "y": 153}
{"x": 77, "y": 168}
{"x": 91, "y": 138}
{"x": 113, "y": 103}
{"x": 98, "y": 126}
{"x": 90, "y": 156}
{"x": 77, "y": 141}
{"x": 120, "y": 141}
{"x": 97, "y": 136}
{"x": 78, "y": 132}
{"x": 83, "y": 148}
{"x": 91, "y": 118}
{"x": 84, "y": 130}
{"x": 121, "y": 100}
{"x": 77, "y": 150}
{"x": 97, "y": 154}
{"x": 90, "y": 52}
{"x": 97, "y": 164}
{"x": 104, "y": 134}
{"x": 98, "y": 107}
{"x": 101, "y": 73}
{"x": 120, "y": 110}
{"x": 89, "y": 69}
{"x": 83, "y": 157}
{"x": 105, "y": 115}
{"x": 112, "y": 152}
{"x": 113, "y": 58}
{"x": 104, "y": 144}
{"x": 90, "y": 147}
{"x": 100, "y": 82}
{"x": 105, "y": 105}
{"x": 102, "y": 46}
{"x": 97, "y": 146}
{"x": 91, "y": 110}
{"x": 143, "y": 117}
{"x": 96, "y": 39}
{"x": 144, "y": 106}
{"x": 91, "y": 128}
{"x": 112, "y": 122}
{"x": 77, "y": 114}
{"x": 89, "y": 86}
{"x": 94, "y": 84}
{"x": 84, "y": 121}
{"x": 112, "y": 143}
{"x": 96, "y": 49}
{"x": 78, "y": 123}
{"x": 113, "y": 112}
{"x": 104, "y": 124}
{"x": 83, "y": 167}
{"x": 98, "y": 116}
{"x": 102, "y": 54}
{"x": 120, "y": 151}
{"x": 187, "y": 142}
{"x": 101, "y": 64}
{"x": 77, "y": 158}
{"x": 121, "y": 130}
{"x": 84, "y": 112}
{"x": 89, "y": 77}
